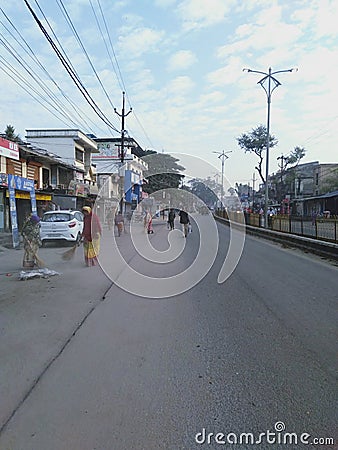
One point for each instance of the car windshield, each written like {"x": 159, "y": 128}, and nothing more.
{"x": 57, "y": 217}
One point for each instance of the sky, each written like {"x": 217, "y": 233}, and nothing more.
{"x": 180, "y": 63}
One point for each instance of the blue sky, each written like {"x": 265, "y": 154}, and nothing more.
{"x": 180, "y": 62}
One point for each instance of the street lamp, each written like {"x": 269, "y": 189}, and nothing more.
{"x": 269, "y": 90}
{"x": 223, "y": 157}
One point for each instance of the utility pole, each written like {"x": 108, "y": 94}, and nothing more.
{"x": 268, "y": 76}
{"x": 222, "y": 156}
{"x": 122, "y": 115}
{"x": 281, "y": 166}
{"x": 253, "y": 191}
{"x": 121, "y": 152}
{"x": 281, "y": 158}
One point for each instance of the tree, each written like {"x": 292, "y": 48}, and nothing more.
{"x": 255, "y": 142}
{"x": 289, "y": 163}
{"x": 205, "y": 190}
{"x": 294, "y": 157}
{"x": 166, "y": 170}
{"x": 11, "y": 135}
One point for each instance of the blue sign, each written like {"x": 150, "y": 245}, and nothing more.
{"x": 12, "y": 209}
{"x": 21, "y": 184}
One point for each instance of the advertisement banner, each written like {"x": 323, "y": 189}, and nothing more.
{"x": 12, "y": 210}
{"x": 21, "y": 184}
{"x": 9, "y": 149}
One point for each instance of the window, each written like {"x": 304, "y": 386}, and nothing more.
{"x": 57, "y": 217}
{"x": 79, "y": 155}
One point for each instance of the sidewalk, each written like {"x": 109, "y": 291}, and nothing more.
{"x": 39, "y": 316}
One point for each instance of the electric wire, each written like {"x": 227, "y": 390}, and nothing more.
{"x": 57, "y": 40}
{"x": 53, "y": 100}
{"x": 12, "y": 76}
{"x": 119, "y": 74}
{"x": 76, "y": 113}
{"x": 77, "y": 82}
{"x": 69, "y": 21}
{"x": 119, "y": 78}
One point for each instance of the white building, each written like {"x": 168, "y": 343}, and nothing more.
{"x": 118, "y": 181}
{"x": 72, "y": 146}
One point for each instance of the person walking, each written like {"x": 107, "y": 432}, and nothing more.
{"x": 148, "y": 223}
{"x": 119, "y": 222}
{"x": 171, "y": 219}
{"x": 91, "y": 236}
{"x": 31, "y": 241}
{"x": 184, "y": 220}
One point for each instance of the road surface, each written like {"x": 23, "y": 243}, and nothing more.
{"x": 256, "y": 352}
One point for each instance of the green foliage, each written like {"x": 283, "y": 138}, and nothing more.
{"x": 11, "y": 135}
{"x": 165, "y": 167}
{"x": 255, "y": 142}
{"x": 294, "y": 157}
{"x": 205, "y": 190}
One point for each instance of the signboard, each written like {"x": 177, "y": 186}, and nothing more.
{"x": 3, "y": 179}
{"x": 27, "y": 196}
{"x": 22, "y": 184}
{"x": 111, "y": 150}
{"x": 12, "y": 210}
{"x": 9, "y": 149}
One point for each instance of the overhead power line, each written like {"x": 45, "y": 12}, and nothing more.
{"x": 74, "y": 113}
{"x": 71, "y": 73}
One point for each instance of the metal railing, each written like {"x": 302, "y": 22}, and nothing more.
{"x": 316, "y": 228}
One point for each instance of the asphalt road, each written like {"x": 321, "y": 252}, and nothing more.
{"x": 229, "y": 358}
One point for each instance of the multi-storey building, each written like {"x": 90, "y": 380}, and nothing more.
{"x": 120, "y": 184}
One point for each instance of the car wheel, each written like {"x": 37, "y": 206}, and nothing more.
{"x": 78, "y": 238}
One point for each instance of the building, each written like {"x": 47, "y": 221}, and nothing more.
{"x": 120, "y": 185}
{"x": 74, "y": 149}
{"x": 300, "y": 182}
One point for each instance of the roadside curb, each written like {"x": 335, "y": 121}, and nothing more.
{"x": 321, "y": 248}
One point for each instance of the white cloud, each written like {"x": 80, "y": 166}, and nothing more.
{"x": 180, "y": 86}
{"x": 228, "y": 74}
{"x": 182, "y": 59}
{"x": 140, "y": 41}
{"x": 320, "y": 17}
{"x": 198, "y": 14}
{"x": 164, "y": 3}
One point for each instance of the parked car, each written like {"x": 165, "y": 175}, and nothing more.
{"x": 61, "y": 225}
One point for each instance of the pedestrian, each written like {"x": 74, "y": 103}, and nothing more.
{"x": 91, "y": 236}
{"x": 184, "y": 220}
{"x": 271, "y": 213}
{"x": 148, "y": 223}
{"x": 119, "y": 222}
{"x": 171, "y": 219}
{"x": 31, "y": 241}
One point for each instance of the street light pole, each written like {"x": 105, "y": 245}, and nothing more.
{"x": 268, "y": 76}
{"x": 223, "y": 157}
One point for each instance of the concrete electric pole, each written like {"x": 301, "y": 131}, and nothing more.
{"x": 121, "y": 151}
{"x": 123, "y": 131}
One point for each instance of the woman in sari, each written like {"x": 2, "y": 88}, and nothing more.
{"x": 31, "y": 241}
{"x": 91, "y": 236}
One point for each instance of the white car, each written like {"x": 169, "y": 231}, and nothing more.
{"x": 61, "y": 225}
